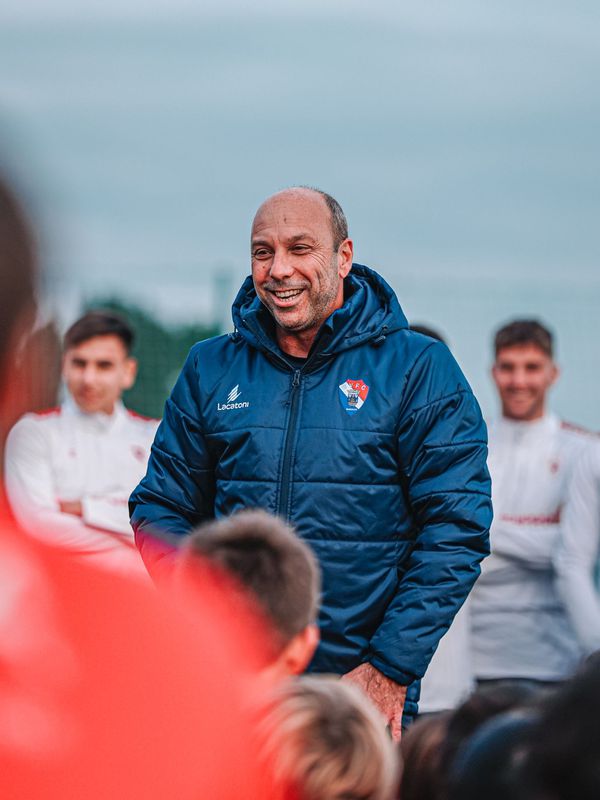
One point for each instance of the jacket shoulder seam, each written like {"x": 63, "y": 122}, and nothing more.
{"x": 185, "y": 414}
{"x": 462, "y": 443}
{"x": 441, "y": 399}
{"x": 172, "y": 456}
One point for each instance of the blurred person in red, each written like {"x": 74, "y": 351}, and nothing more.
{"x": 70, "y": 470}
{"x": 106, "y": 691}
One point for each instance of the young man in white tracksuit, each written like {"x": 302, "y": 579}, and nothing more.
{"x": 578, "y": 556}
{"x": 69, "y": 470}
{"x": 520, "y": 628}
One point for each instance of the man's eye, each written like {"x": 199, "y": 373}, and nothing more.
{"x": 300, "y": 248}
{"x": 260, "y": 252}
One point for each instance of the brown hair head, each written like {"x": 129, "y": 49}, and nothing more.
{"x": 99, "y": 323}
{"x": 524, "y": 331}
{"x": 268, "y": 559}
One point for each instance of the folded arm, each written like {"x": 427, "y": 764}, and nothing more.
{"x": 33, "y": 498}
{"x": 577, "y": 555}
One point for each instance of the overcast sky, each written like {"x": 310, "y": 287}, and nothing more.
{"x": 461, "y": 138}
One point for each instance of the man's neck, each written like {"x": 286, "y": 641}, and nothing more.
{"x": 525, "y": 421}
{"x": 100, "y": 414}
{"x": 296, "y": 344}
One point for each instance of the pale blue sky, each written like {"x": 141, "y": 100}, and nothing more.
{"x": 461, "y": 139}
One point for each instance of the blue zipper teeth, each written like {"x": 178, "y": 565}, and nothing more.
{"x": 284, "y": 495}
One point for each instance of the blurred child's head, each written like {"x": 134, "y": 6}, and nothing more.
{"x": 324, "y": 740}
{"x": 275, "y": 569}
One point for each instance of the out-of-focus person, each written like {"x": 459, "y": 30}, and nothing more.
{"x": 577, "y": 559}
{"x": 324, "y": 740}
{"x": 70, "y": 470}
{"x": 562, "y": 756}
{"x": 271, "y": 567}
{"x": 487, "y": 766}
{"x": 520, "y": 629}
{"x": 421, "y": 750}
{"x": 106, "y": 691}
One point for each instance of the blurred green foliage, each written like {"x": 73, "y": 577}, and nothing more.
{"x": 160, "y": 350}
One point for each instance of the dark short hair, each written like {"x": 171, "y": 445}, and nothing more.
{"x": 561, "y": 761}
{"x": 339, "y": 223}
{"x": 18, "y": 268}
{"x": 99, "y": 323}
{"x": 524, "y": 331}
{"x": 425, "y": 330}
{"x": 269, "y": 560}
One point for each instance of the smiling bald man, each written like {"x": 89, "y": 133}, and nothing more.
{"x": 325, "y": 409}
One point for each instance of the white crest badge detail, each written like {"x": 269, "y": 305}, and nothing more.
{"x": 234, "y": 394}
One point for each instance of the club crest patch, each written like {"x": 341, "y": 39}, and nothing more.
{"x": 353, "y": 394}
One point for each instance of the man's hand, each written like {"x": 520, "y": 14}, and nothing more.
{"x": 387, "y": 695}
{"x": 71, "y": 507}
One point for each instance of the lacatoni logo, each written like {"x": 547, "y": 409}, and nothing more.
{"x": 231, "y": 401}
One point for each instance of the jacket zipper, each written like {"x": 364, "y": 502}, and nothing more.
{"x": 286, "y": 470}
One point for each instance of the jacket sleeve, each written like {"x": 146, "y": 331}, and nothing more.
{"x": 442, "y": 451}
{"x": 177, "y": 492}
{"x": 578, "y": 552}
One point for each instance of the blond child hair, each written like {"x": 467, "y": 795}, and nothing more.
{"x": 324, "y": 740}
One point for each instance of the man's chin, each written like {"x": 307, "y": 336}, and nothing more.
{"x": 521, "y": 413}
{"x": 288, "y": 321}
{"x": 88, "y": 406}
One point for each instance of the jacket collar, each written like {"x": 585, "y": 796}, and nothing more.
{"x": 98, "y": 421}
{"x": 370, "y": 312}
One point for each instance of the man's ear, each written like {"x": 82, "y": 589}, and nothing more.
{"x": 131, "y": 368}
{"x": 345, "y": 255}
{"x": 298, "y": 652}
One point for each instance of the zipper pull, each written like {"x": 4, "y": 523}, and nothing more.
{"x": 296, "y": 381}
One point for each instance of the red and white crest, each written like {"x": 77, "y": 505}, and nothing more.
{"x": 353, "y": 393}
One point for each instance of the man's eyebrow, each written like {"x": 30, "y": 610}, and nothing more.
{"x": 255, "y": 242}
{"x": 300, "y": 237}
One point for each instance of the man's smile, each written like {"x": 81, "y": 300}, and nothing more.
{"x": 285, "y": 297}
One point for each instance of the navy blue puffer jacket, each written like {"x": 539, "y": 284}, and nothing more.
{"x": 375, "y": 450}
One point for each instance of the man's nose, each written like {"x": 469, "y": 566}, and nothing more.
{"x": 89, "y": 374}
{"x": 281, "y": 266}
{"x": 519, "y": 378}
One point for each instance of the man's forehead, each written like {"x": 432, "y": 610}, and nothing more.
{"x": 527, "y": 351}
{"x": 98, "y": 348}
{"x": 292, "y": 207}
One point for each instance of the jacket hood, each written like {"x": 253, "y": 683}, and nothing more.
{"x": 370, "y": 311}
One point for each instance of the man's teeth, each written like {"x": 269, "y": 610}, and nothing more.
{"x": 287, "y": 293}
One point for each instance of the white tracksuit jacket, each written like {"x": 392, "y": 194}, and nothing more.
{"x": 65, "y": 454}
{"x": 520, "y": 628}
{"x": 449, "y": 678}
{"x": 578, "y": 556}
